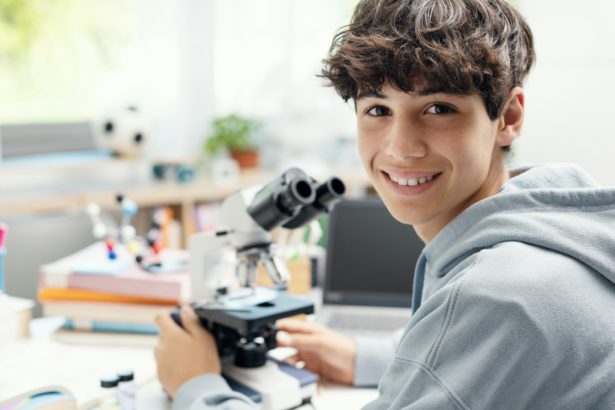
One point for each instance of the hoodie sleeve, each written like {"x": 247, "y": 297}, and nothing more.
{"x": 374, "y": 355}
{"x": 209, "y": 391}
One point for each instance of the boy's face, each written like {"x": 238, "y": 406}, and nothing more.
{"x": 429, "y": 155}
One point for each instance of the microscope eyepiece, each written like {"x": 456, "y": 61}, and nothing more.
{"x": 298, "y": 193}
{"x": 282, "y": 199}
{"x": 327, "y": 194}
{"x": 330, "y": 192}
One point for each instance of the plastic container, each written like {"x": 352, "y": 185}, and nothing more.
{"x": 126, "y": 391}
{"x": 109, "y": 394}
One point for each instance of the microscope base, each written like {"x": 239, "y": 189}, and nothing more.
{"x": 275, "y": 386}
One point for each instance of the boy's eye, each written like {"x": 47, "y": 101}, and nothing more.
{"x": 378, "y": 111}
{"x": 440, "y": 109}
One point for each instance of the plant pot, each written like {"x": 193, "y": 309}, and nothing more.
{"x": 246, "y": 158}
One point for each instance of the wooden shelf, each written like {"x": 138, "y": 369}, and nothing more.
{"x": 70, "y": 194}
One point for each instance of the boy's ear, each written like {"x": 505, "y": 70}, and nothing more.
{"x": 511, "y": 118}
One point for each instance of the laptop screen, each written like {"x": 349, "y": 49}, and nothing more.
{"x": 370, "y": 256}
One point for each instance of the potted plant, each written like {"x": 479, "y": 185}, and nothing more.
{"x": 236, "y": 134}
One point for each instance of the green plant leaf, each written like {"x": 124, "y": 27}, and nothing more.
{"x": 233, "y": 132}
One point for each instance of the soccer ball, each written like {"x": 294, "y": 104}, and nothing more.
{"x": 124, "y": 132}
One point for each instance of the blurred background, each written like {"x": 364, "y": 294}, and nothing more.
{"x": 186, "y": 62}
{"x": 103, "y": 96}
{"x": 182, "y": 62}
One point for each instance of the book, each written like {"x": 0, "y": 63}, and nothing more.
{"x": 107, "y": 339}
{"x": 85, "y": 270}
{"x": 105, "y": 312}
{"x": 79, "y": 295}
{"x": 110, "y": 327}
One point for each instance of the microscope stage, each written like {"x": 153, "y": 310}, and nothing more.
{"x": 250, "y": 320}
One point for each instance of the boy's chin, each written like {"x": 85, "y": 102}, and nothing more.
{"x": 405, "y": 217}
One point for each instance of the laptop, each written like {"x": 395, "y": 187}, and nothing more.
{"x": 369, "y": 269}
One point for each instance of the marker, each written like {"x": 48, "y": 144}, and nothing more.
{"x": 3, "y": 232}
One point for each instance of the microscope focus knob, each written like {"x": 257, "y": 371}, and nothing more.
{"x": 250, "y": 354}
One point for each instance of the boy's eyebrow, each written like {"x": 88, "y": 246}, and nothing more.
{"x": 367, "y": 94}
{"x": 435, "y": 90}
{"x": 420, "y": 92}
{"x": 428, "y": 91}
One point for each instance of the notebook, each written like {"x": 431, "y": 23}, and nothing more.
{"x": 369, "y": 269}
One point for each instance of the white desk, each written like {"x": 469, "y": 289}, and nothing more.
{"x": 40, "y": 361}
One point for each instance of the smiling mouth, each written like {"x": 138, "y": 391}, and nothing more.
{"x": 412, "y": 181}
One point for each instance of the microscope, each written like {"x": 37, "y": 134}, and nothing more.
{"x": 240, "y": 315}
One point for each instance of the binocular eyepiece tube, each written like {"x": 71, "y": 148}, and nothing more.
{"x": 282, "y": 199}
{"x": 298, "y": 194}
{"x": 327, "y": 194}
{"x": 294, "y": 199}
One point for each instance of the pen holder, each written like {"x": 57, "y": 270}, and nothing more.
{"x": 2, "y": 253}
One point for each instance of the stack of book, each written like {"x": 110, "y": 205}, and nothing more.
{"x": 96, "y": 293}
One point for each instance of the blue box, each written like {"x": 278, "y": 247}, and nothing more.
{"x": 2, "y": 253}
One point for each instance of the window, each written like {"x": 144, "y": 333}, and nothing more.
{"x": 59, "y": 58}
{"x": 64, "y": 62}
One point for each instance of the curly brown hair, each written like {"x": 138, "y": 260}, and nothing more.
{"x": 456, "y": 46}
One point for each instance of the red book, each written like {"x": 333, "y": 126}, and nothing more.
{"x": 91, "y": 269}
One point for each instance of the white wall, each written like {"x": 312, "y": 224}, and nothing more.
{"x": 569, "y": 94}
{"x": 206, "y": 58}
{"x": 177, "y": 74}
{"x": 259, "y": 58}
{"x": 267, "y": 55}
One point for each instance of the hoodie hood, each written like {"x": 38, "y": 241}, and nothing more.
{"x": 558, "y": 207}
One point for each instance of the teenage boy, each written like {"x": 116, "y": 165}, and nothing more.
{"x": 513, "y": 293}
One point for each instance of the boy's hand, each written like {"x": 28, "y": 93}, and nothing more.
{"x": 184, "y": 353}
{"x": 328, "y": 353}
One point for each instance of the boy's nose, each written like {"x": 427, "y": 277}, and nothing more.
{"x": 404, "y": 141}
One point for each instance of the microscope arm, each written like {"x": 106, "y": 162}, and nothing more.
{"x": 207, "y": 264}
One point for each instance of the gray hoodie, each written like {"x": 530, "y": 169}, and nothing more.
{"x": 513, "y": 306}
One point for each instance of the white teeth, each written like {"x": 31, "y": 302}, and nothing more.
{"x": 411, "y": 181}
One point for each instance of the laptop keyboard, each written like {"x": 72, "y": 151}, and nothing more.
{"x": 368, "y": 322}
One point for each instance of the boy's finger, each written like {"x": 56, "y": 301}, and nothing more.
{"x": 190, "y": 321}
{"x": 297, "y": 326}
{"x": 166, "y": 324}
{"x": 301, "y": 342}
{"x": 294, "y": 359}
